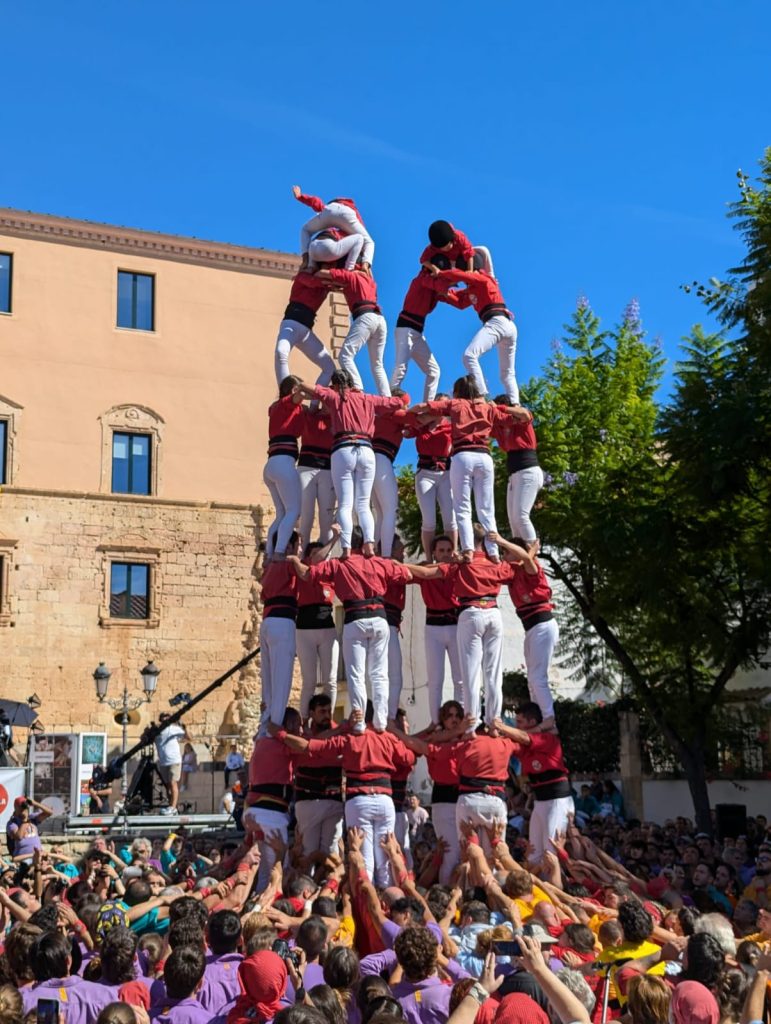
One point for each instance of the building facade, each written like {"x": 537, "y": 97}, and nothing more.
{"x": 136, "y": 370}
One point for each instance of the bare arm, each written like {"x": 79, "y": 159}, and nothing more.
{"x": 300, "y": 569}
{"x": 518, "y": 735}
{"x": 566, "y": 1006}
{"x": 323, "y": 553}
{"x": 525, "y": 556}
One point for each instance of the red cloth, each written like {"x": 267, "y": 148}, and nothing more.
{"x": 439, "y": 594}
{"x": 421, "y": 297}
{"x": 461, "y": 247}
{"x": 514, "y": 435}
{"x": 471, "y": 421}
{"x": 395, "y": 596}
{"x": 518, "y": 1008}
{"x": 357, "y": 577}
{"x": 272, "y": 762}
{"x": 433, "y": 440}
{"x": 305, "y": 290}
{"x": 279, "y": 588}
{"x": 478, "y": 578}
{"x": 530, "y": 593}
{"x": 367, "y": 755}
{"x": 368, "y": 937}
{"x": 543, "y": 754}
{"x": 389, "y": 431}
{"x": 481, "y": 289}
{"x": 485, "y": 757}
{"x": 316, "y": 432}
{"x": 313, "y": 592}
{"x": 442, "y": 760}
{"x": 358, "y": 288}
{"x": 262, "y": 977}
{"x": 355, "y": 413}
{"x": 402, "y": 773}
{"x": 135, "y": 993}
{"x": 286, "y": 417}
{"x": 693, "y": 1003}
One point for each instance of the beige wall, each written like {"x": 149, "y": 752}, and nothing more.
{"x": 207, "y": 369}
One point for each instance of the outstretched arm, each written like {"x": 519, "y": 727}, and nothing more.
{"x": 525, "y": 555}
{"x": 425, "y": 572}
{"x": 518, "y": 735}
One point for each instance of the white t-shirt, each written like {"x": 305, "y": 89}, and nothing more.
{"x": 167, "y": 743}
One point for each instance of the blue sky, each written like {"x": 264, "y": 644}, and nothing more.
{"x": 592, "y": 148}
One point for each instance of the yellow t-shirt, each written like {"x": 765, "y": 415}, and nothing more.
{"x": 345, "y": 933}
{"x": 628, "y": 951}
{"x": 526, "y": 907}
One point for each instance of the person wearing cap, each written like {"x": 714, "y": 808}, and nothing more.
{"x": 451, "y": 243}
{"x": 21, "y": 831}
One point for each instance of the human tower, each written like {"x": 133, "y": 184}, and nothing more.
{"x": 331, "y": 452}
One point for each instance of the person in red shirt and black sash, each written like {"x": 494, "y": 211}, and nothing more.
{"x": 441, "y": 631}
{"x": 433, "y": 442}
{"x": 540, "y": 754}
{"x": 278, "y": 639}
{"x": 296, "y": 330}
{"x": 483, "y": 768}
{"x": 517, "y": 439}
{"x": 318, "y": 785}
{"x": 531, "y": 595}
{"x": 313, "y": 468}
{"x": 318, "y": 650}
{"x": 370, "y": 759}
{"x": 389, "y": 427}
{"x": 271, "y": 773}
{"x": 286, "y": 419}
{"x": 399, "y": 782}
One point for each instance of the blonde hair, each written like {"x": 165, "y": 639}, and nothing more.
{"x": 485, "y": 940}
{"x": 648, "y": 1000}
{"x": 11, "y": 1007}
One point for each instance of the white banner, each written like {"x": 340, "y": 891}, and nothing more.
{"x": 11, "y": 786}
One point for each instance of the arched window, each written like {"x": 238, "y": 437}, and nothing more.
{"x": 132, "y": 456}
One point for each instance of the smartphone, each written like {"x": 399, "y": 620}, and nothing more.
{"x": 281, "y": 946}
{"x": 511, "y": 948}
{"x": 48, "y": 1011}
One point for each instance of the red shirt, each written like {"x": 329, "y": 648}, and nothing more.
{"x": 367, "y": 756}
{"x": 394, "y": 599}
{"x": 359, "y": 290}
{"x": 286, "y": 421}
{"x": 312, "y": 592}
{"x": 357, "y": 578}
{"x": 279, "y": 591}
{"x": 543, "y": 761}
{"x": 355, "y": 414}
{"x": 315, "y": 440}
{"x": 433, "y": 441}
{"x": 318, "y": 204}
{"x": 471, "y": 420}
{"x": 319, "y": 775}
{"x": 530, "y": 593}
{"x": 442, "y": 760}
{"x": 271, "y": 763}
{"x": 389, "y": 431}
{"x": 476, "y": 584}
{"x": 482, "y": 291}
{"x": 308, "y": 290}
{"x": 485, "y": 757}
{"x": 440, "y": 601}
{"x": 461, "y": 247}
{"x": 421, "y": 299}
{"x": 514, "y": 435}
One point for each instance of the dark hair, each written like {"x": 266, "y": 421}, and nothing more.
{"x": 529, "y": 709}
{"x": 324, "y": 906}
{"x": 747, "y": 952}
{"x": 465, "y": 387}
{"x": 581, "y": 937}
{"x": 371, "y": 987}
{"x": 116, "y": 1013}
{"x": 319, "y": 700}
{"x": 45, "y": 917}
{"x": 224, "y": 932}
{"x": 287, "y": 385}
{"x": 294, "y": 887}
{"x": 441, "y": 233}
{"x": 312, "y": 937}
{"x": 407, "y": 905}
{"x": 18, "y": 949}
{"x": 438, "y": 898}
{"x": 440, "y": 538}
{"x": 324, "y": 998}
{"x": 357, "y": 538}
{"x": 687, "y": 918}
{"x": 118, "y": 949}
{"x": 382, "y": 1006}
{"x": 451, "y": 705}
{"x": 459, "y": 992}
{"x": 731, "y": 992}
{"x": 49, "y": 956}
{"x": 635, "y": 920}
{"x": 705, "y": 959}
{"x": 441, "y": 262}
{"x": 186, "y": 932}
{"x": 416, "y": 951}
{"x": 137, "y": 891}
{"x": 576, "y": 889}
{"x": 342, "y": 381}
{"x": 183, "y": 971}
{"x": 341, "y": 967}
{"x": 300, "y": 1013}
{"x": 478, "y": 912}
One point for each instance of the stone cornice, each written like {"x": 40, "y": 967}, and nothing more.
{"x": 155, "y": 245}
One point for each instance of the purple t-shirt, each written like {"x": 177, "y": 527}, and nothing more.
{"x": 430, "y": 1006}
{"x": 180, "y": 1011}
{"x": 80, "y": 1002}
{"x": 390, "y": 930}
{"x": 220, "y": 987}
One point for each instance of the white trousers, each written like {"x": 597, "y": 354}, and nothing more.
{"x": 402, "y": 833}
{"x": 446, "y": 828}
{"x": 385, "y": 502}
{"x": 472, "y": 472}
{"x": 501, "y": 332}
{"x": 395, "y": 680}
{"x": 432, "y": 486}
{"x": 441, "y": 641}
{"x": 316, "y": 489}
{"x": 540, "y": 641}
{"x": 277, "y": 651}
{"x": 353, "y": 473}
{"x": 368, "y": 329}
{"x": 482, "y": 810}
{"x": 329, "y": 250}
{"x": 480, "y": 646}
{"x": 258, "y": 819}
{"x": 292, "y": 334}
{"x": 283, "y": 482}
{"x": 318, "y": 652}
{"x": 365, "y": 653}
{"x": 521, "y": 493}
{"x": 411, "y": 344}
{"x": 549, "y": 818}
{"x": 376, "y": 817}
{"x": 321, "y": 825}
{"x": 337, "y": 215}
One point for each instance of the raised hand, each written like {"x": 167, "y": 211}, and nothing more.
{"x": 296, "y": 191}
{"x": 355, "y": 839}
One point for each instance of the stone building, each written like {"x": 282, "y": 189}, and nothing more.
{"x": 135, "y": 374}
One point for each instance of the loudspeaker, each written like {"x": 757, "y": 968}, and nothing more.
{"x": 731, "y": 820}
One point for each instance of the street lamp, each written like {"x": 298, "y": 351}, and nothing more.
{"x": 125, "y": 704}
